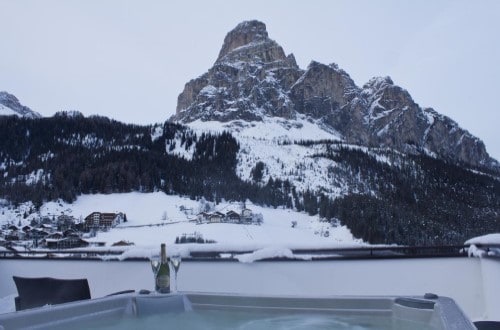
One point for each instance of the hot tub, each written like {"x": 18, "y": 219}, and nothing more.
{"x": 223, "y": 311}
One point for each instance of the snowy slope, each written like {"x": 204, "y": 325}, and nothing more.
{"x": 6, "y": 111}
{"x": 271, "y": 141}
{"x": 146, "y": 226}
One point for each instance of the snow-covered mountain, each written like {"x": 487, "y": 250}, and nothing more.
{"x": 260, "y": 129}
{"x": 254, "y": 81}
{"x": 10, "y": 106}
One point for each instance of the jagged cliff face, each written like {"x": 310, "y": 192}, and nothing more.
{"x": 252, "y": 78}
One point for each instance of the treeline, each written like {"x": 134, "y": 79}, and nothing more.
{"x": 63, "y": 157}
{"x": 422, "y": 201}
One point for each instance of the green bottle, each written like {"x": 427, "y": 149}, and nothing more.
{"x": 163, "y": 274}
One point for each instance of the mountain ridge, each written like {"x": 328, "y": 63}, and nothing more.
{"x": 10, "y": 105}
{"x": 253, "y": 78}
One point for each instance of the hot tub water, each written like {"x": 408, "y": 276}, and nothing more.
{"x": 255, "y": 320}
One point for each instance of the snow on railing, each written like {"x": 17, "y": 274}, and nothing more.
{"x": 216, "y": 252}
{"x": 484, "y": 246}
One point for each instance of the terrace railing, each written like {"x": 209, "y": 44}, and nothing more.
{"x": 374, "y": 252}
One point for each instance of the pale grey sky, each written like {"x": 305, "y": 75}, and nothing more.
{"x": 129, "y": 60}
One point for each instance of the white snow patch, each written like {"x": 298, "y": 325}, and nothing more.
{"x": 474, "y": 251}
{"x": 490, "y": 239}
{"x": 269, "y": 129}
{"x": 6, "y": 111}
{"x": 209, "y": 90}
{"x": 156, "y": 133}
{"x": 430, "y": 117}
{"x": 268, "y": 253}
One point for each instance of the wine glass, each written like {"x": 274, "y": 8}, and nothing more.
{"x": 154, "y": 258}
{"x": 175, "y": 262}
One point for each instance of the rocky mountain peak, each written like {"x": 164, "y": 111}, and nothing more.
{"x": 253, "y": 79}
{"x": 250, "y": 79}
{"x": 243, "y": 34}
{"x": 10, "y": 105}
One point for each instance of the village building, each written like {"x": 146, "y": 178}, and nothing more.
{"x": 39, "y": 233}
{"x": 246, "y": 217}
{"x": 12, "y": 228}
{"x": 47, "y": 227}
{"x": 122, "y": 243}
{"x": 103, "y": 221}
{"x": 216, "y": 217}
{"x": 202, "y": 217}
{"x": 70, "y": 232}
{"x": 56, "y": 235}
{"x": 65, "y": 222}
{"x": 64, "y": 243}
{"x": 232, "y": 216}
{"x": 14, "y": 233}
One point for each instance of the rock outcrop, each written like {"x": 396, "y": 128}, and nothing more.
{"x": 250, "y": 79}
{"x": 10, "y": 105}
{"x": 253, "y": 78}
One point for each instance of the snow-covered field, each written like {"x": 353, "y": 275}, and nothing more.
{"x": 154, "y": 218}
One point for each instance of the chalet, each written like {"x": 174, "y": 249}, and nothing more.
{"x": 65, "y": 222}
{"x": 39, "y": 233}
{"x": 56, "y": 235}
{"x": 11, "y": 237}
{"x": 70, "y": 232}
{"x": 80, "y": 226}
{"x": 216, "y": 217}
{"x": 202, "y": 217}
{"x": 97, "y": 244}
{"x": 103, "y": 221}
{"x": 64, "y": 243}
{"x": 47, "y": 227}
{"x": 13, "y": 233}
{"x": 232, "y": 216}
{"x": 122, "y": 243}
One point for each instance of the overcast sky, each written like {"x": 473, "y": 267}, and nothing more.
{"x": 129, "y": 60}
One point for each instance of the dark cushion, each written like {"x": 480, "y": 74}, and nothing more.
{"x": 36, "y": 292}
{"x": 487, "y": 325}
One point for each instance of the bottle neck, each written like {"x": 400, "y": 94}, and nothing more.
{"x": 163, "y": 254}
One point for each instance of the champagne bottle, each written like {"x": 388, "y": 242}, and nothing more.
{"x": 163, "y": 275}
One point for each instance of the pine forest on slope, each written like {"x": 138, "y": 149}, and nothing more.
{"x": 389, "y": 197}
